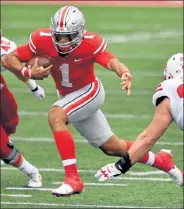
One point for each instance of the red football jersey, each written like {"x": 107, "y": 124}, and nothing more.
{"x": 74, "y": 71}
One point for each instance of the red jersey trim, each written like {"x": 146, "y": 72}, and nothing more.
{"x": 31, "y": 45}
{"x": 102, "y": 46}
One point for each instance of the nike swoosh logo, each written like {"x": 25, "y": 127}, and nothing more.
{"x": 77, "y": 60}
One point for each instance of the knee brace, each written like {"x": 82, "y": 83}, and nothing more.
{"x": 13, "y": 156}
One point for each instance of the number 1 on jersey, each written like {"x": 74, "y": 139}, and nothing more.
{"x": 65, "y": 75}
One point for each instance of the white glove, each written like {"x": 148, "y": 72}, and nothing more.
{"x": 107, "y": 172}
{"x": 39, "y": 92}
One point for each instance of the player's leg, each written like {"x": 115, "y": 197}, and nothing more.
{"x": 72, "y": 108}
{"x": 8, "y": 121}
{"x": 66, "y": 148}
{"x": 162, "y": 161}
{"x": 116, "y": 147}
{"x": 11, "y": 155}
{"x": 155, "y": 160}
{"x": 98, "y": 133}
{"x": 9, "y": 116}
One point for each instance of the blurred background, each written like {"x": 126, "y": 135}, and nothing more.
{"x": 141, "y": 34}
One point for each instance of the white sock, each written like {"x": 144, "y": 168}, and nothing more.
{"x": 26, "y": 167}
{"x": 69, "y": 162}
{"x": 151, "y": 159}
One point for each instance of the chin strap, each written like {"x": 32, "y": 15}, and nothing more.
{"x": 124, "y": 164}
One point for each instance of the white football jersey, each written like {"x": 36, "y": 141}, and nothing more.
{"x": 7, "y": 46}
{"x": 173, "y": 89}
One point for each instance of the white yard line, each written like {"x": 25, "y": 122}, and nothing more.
{"x": 143, "y": 179}
{"x": 136, "y": 72}
{"x": 131, "y": 173}
{"x": 50, "y": 189}
{"x": 108, "y": 115}
{"x": 122, "y": 178}
{"x": 29, "y": 189}
{"x": 16, "y": 195}
{"x": 96, "y": 184}
{"x": 74, "y": 205}
{"x": 144, "y": 36}
{"x": 107, "y": 92}
{"x": 80, "y": 140}
{"x": 146, "y": 173}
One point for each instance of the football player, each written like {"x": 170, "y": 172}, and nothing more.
{"x": 168, "y": 99}
{"x": 74, "y": 51}
{"x": 9, "y": 120}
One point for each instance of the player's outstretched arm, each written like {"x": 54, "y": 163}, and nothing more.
{"x": 159, "y": 124}
{"x": 145, "y": 141}
{"x": 110, "y": 62}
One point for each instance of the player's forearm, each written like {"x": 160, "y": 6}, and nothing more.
{"x": 141, "y": 146}
{"x": 12, "y": 63}
{"x": 118, "y": 67}
{"x": 21, "y": 77}
{"x": 31, "y": 84}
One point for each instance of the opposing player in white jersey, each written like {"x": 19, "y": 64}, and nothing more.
{"x": 9, "y": 120}
{"x": 168, "y": 99}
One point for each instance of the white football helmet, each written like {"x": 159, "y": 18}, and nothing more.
{"x": 174, "y": 67}
{"x": 67, "y": 22}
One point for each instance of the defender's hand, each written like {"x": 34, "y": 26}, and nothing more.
{"x": 107, "y": 172}
{"x": 126, "y": 82}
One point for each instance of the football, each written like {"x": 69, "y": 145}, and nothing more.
{"x": 42, "y": 60}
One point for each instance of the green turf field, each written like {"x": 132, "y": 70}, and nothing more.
{"x": 143, "y": 38}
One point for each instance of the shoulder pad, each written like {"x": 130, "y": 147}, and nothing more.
{"x": 37, "y": 37}
{"x": 165, "y": 89}
{"x": 98, "y": 43}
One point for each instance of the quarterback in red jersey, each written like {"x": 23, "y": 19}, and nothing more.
{"x": 74, "y": 51}
{"x": 72, "y": 69}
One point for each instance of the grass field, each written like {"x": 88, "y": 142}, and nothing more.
{"x": 143, "y": 38}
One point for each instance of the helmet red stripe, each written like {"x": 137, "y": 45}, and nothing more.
{"x": 62, "y": 16}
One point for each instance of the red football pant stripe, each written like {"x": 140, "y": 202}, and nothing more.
{"x": 84, "y": 99}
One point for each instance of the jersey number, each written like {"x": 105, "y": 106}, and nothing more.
{"x": 65, "y": 75}
{"x": 180, "y": 90}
